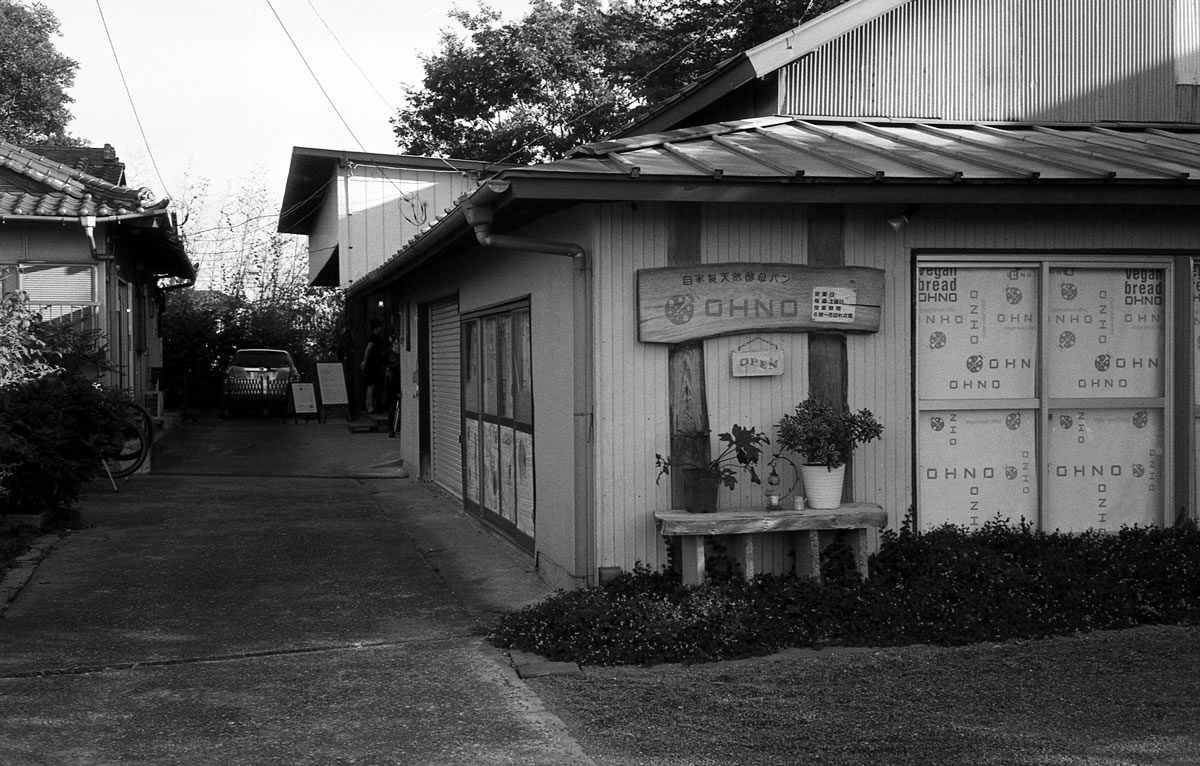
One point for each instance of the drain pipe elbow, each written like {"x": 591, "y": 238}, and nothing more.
{"x": 481, "y": 217}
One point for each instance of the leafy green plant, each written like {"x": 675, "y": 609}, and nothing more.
{"x": 22, "y": 352}
{"x": 55, "y": 424}
{"x": 743, "y": 448}
{"x": 947, "y": 586}
{"x": 824, "y": 436}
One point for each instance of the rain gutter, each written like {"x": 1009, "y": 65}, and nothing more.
{"x": 480, "y": 215}
{"x": 476, "y": 211}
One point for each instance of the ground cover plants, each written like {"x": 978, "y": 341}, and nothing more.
{"x": 948, "y": 586}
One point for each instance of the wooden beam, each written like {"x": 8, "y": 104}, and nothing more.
{"x": 685, "y": 371}
{"x": 827, "y": 365}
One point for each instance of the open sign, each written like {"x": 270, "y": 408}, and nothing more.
{"x": 752, "y": 364}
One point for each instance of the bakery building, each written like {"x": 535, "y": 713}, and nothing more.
{"x": 976, "y": 218}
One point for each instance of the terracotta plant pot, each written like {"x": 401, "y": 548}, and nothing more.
{"x": 823, "y": 485}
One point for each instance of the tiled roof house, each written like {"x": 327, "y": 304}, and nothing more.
{"x": 90, "y": 250}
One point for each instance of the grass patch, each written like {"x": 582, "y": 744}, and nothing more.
{"x": 946, "y": 587}
{"x": 1106, "y": 697}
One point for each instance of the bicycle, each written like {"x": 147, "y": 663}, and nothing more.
{"x": 133, "y": 445}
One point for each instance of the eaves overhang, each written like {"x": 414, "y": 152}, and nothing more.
{"x": 312, "y": 171}
{"x": 812, "y": 160}
{"x": 448, "y": 231}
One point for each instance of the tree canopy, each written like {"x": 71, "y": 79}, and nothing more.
{"x": 34, "y": 76}
{"x": 573, "y": 71}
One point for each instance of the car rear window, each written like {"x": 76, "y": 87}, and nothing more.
{"x": 260, "y": 359}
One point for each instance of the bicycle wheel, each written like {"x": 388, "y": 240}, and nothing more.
{"x": 137, "y": 434}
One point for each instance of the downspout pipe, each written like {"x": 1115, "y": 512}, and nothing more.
{"x": 481, "y": 217}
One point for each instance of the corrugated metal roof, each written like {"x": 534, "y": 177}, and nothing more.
{"x": 885, "y": 159}
{"x": 33, "y": 185}
{"x": 795, "y": 148}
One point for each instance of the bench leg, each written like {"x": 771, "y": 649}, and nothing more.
{"x": 691, "y": 549}
{"x": 858, "y": 546}
{"x": 808, "y": 554}
{"x": 749, "y": 566}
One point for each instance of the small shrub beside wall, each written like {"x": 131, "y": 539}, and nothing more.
{"x": 948, "y": 586}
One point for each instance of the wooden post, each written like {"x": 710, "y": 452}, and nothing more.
{"x": 685, "y": 370}
{"x": 827, "y": 376}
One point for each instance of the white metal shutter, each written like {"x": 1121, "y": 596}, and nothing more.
{"x": 446, "y": 395}
{"x": 71, "y": 284}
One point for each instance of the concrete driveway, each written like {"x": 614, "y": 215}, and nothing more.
{"x": 270, "y": 594}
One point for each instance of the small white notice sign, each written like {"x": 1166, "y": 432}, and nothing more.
{"x": 304, "y": 398}
{"x": 834, "y": 304}
{"x": 333, "y": 383}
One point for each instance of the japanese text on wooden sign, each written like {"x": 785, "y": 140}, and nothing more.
{"x": 682, "y": 303}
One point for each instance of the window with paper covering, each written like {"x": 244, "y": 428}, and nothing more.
{"x": 1043, "y": 390}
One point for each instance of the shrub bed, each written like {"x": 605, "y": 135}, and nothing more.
{"x": 53, "y": 434}
{"x": 948, "y": 586}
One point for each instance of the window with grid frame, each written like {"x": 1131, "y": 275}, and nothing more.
{"x": 1043, "y": 390}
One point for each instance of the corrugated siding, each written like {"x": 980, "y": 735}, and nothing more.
{"x": 629, "y": 427}
{"x": 879, "y": 366}
{"x": 1069, "y": 60}
{"x": 632, "y": 428}
{"x": 446, "y": 395}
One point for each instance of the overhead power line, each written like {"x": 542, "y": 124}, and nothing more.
{"x": 129, "y": 95}
{"x": 316, "y": 79}
{"x": 317, "y": 13}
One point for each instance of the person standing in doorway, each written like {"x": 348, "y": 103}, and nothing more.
{"x": 373, "y": 363}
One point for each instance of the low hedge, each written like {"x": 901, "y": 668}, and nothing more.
{"x": 947, "y": 586}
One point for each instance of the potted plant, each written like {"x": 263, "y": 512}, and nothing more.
{"x": 742, "y": 450}
{"x": 825, "y": 439}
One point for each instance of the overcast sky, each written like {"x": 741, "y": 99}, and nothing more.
{"x": 222, "y": 93}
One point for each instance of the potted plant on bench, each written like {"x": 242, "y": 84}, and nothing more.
{"x": 742, "y": 450}
{"x": 825, "y": 439}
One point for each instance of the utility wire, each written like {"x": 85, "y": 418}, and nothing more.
{"x": 316, "y": 79}
{"x": 129, "y": 95}
{"x": 317, "y": 13}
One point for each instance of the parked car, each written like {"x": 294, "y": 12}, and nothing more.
{"x": 258, "y": 377}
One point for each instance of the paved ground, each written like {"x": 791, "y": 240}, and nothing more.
{"x": 270, "y": 594}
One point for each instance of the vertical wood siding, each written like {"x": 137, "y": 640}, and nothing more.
{"x": 631, "y": 395}
{"x": 1069, "y": 60}
{"x": 879, "y": 365}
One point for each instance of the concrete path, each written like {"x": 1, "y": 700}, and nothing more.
{"x": 271, "y": 594}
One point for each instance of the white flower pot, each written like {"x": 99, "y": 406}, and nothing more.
{"x": 823, "y": 485}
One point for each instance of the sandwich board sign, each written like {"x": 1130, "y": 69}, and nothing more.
{"x": 331, "y": 379}
{"x": 304, "y": 399}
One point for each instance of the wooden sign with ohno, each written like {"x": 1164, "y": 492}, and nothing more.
{"x": 332, "y": 379}
{"x": 683, "y": 303}
{"x": 304, "y": 398}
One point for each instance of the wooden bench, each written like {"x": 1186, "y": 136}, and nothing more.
{"x": 807, "y": 525}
